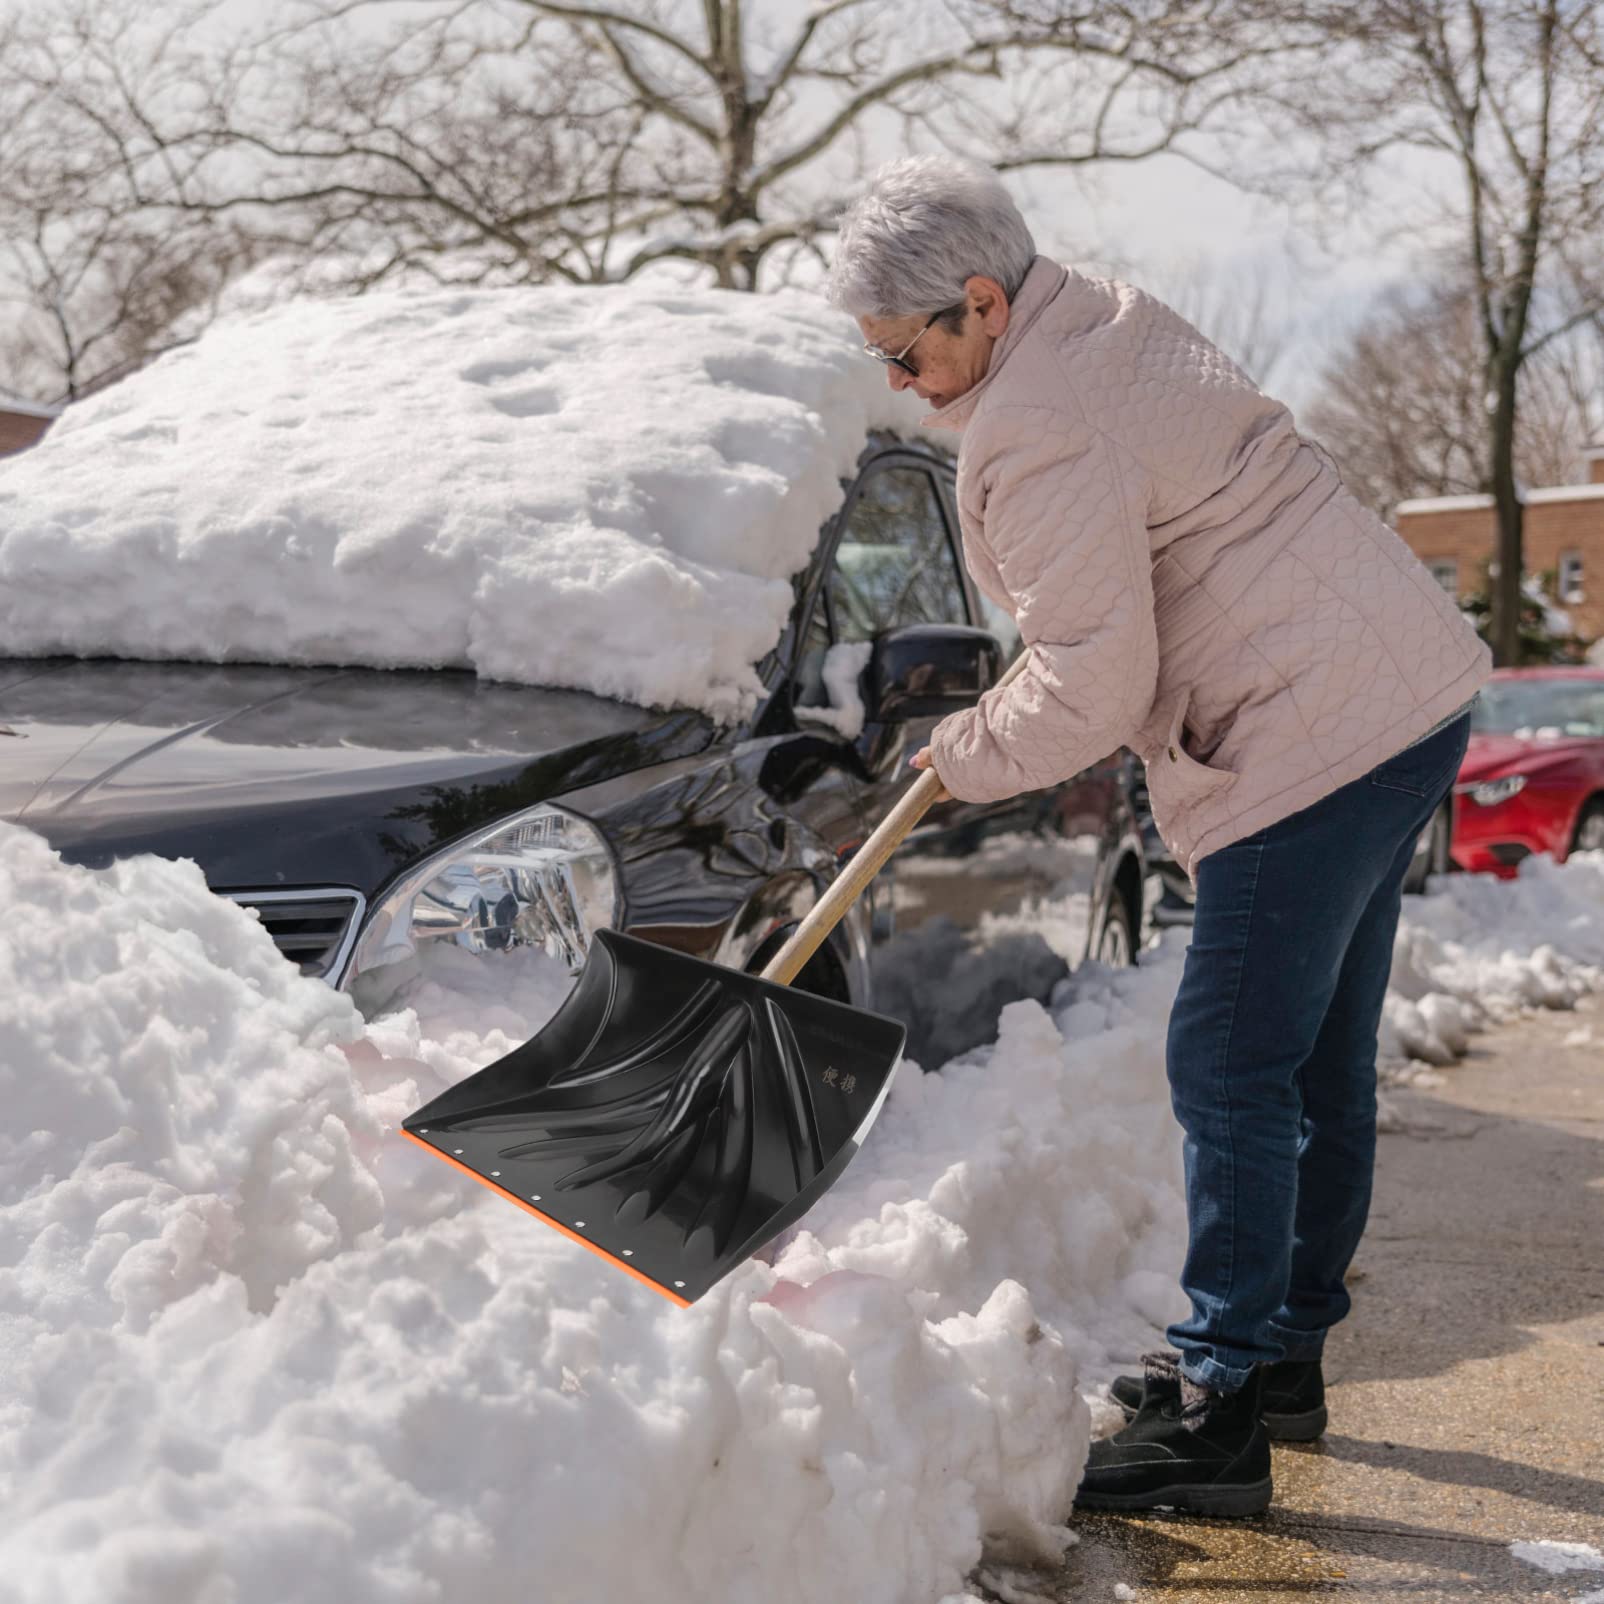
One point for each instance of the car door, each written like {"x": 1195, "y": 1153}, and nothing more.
{"x": 989, "y": 901}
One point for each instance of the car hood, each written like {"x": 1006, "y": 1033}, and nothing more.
{"x": 270, "y": 776}
{"x": 1489, "y": 755}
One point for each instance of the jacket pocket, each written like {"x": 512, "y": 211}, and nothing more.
{"x": 1176, "y": 780}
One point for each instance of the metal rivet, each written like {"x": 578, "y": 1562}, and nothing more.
{"x": 629, "y": 1253}
{"x": 495, "y": 1172}
{"x": 535, "y": 1197}
{"x": 457, "y": 1150}
{"x": 679, "y": 1283}
{"x": 579, "y": 1225}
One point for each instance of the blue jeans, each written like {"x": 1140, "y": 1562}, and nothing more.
{"x": 1272, "y": 1061}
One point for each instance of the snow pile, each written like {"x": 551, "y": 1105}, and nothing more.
{"x": 600, "y": 488}
{"x": 844, "y": 664}
{"x": 1558, "y": 1558}
{"x": 176, "y": 1106}
{"x": 259, "y": 1347}
{"x": 1478, "y": 949}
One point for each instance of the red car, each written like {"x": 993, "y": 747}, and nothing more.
{"x": 1533, "y": 776}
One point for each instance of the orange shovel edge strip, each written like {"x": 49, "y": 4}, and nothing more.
{"x": 546, "y": 1219}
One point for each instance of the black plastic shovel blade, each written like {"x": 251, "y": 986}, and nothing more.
{"x": 673, "y": 1115}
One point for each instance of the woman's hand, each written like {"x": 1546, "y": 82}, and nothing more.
{"x": 921, "y": 760}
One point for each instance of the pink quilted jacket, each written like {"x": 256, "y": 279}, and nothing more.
{"x": 1191, "y": 578}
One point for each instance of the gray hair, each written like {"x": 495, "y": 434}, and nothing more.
{"x": 925, "y": 225}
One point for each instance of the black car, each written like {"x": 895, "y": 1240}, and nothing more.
{"x": 363, "y": 813}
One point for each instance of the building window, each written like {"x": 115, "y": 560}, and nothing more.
{"x": 1445, "y": 570}
{"x": 1570, "y": 577}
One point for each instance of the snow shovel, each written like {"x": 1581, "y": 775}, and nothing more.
{"x": 675, "y": 1115}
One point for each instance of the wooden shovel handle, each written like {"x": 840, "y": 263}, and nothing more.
{"x": 843, "y": 891}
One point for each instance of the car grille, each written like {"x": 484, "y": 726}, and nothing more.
{"x": 313, "y": 928}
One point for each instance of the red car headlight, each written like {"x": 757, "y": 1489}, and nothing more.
{"x": 1491, "y": 792}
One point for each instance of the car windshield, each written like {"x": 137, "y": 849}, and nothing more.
{"x": 1552, "y": 707}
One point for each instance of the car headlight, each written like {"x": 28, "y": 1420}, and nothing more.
{"x": 1492, "y": 792}
{"x": 543, "y": 878}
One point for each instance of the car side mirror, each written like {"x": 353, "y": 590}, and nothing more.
{"x": 929, "y": 670}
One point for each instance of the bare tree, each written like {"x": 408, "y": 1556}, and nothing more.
{"x": 587, "y": 139}
{"x": 98, "y": 296}
{"x": 1561, "y": 404}
{"x": 1509, "y": 96}
{"x": 1403, "y": 403}
{"x": 94, "y": 281}
{"x": 740, "y": 128}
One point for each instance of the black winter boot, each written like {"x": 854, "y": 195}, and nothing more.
{"x": 1294, "y": 1399}
{"x": 1187, "y": 1448}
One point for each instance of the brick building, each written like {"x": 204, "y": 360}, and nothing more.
{"x": 1563, "y": 534}
{"x": 21, "y": 422}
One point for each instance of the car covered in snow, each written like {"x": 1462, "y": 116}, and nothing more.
{"x": 1533, "y": 776}
{"x": 535, "y": 613}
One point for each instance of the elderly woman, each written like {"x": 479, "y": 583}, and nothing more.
{"x": 1191, "y": 580}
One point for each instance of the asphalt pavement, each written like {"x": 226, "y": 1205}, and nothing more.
{"x": 1467, "y": 1386}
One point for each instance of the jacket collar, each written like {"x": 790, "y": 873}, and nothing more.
{"x": 1042, "y": 283}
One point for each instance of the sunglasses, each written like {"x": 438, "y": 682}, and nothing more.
{"x": 900, "y": 359}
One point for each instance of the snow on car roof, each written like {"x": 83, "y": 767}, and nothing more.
{"x": 604, "y": 488}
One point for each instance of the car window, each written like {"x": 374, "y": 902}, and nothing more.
{"x": 894, "y": 564}
{"x": 1540, "y": 707}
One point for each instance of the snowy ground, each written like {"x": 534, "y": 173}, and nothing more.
{"x": 1560, "y": 1558}
{"x": 258, "y": 1348}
